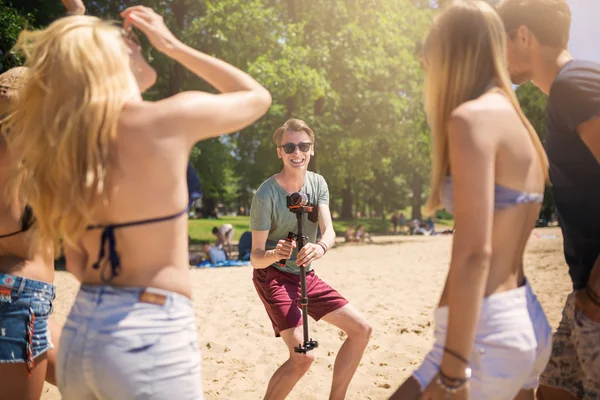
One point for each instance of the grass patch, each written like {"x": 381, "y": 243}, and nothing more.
{"x": 201, "y": 229}
{"x": 372, "y": 225}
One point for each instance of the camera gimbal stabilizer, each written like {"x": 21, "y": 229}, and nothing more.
{"x": 298, "y": 203}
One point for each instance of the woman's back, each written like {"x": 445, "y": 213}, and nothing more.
{"x": 145, "y": 181}
{"x": 518, "y": 167}
{"x": 17, "y": 256}
{"x": 518, "y": 185}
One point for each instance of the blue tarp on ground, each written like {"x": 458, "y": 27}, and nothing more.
{"x": 228, "y": 263}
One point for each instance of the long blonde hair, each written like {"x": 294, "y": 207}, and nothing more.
{"x": 464, "y": 53}
{"x": 64, "y": 121}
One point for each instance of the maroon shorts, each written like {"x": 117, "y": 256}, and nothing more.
{"x": 280, "y": 293}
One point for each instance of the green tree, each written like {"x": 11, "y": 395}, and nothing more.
{"x": 12, "y": 23}
{"x": 533, "y": 103}
{"x": 348, "y": 68}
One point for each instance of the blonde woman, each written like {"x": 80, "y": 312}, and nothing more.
{"x": 27, "y": 351}
{"x": 492, "y": 338}
{"x": 106, "y": 174}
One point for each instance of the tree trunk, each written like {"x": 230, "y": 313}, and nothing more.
{"x": 292, "y": 10}
{"x": 312, "y": 165}
{"x": 347, "y": 202}
{"x": 319, "y": 107}
{"x": 176, "y": 73}
{"x": 290, "y": 105}
{"x": 417, "y": 188}
{"x": 208, "y": 207}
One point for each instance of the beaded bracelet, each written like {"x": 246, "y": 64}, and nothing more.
{"x": 454, "y": 381}
{"x": 450, "y": 390}
{"x": 457, "y": 383}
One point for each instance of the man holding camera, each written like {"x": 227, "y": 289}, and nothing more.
{"x": 278, "y": 285}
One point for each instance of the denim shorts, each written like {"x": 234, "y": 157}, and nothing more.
{"x": 129, "y": 343}
{"x": 25, "y": 305}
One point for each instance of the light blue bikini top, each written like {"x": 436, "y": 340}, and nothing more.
{"x": 503, "y": 196}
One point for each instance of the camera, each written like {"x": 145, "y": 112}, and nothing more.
{"x": 297, "y": 199}
{"x": 299, "y": 203}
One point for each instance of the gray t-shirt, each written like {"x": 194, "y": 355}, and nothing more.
{"x": 269, "y": 212}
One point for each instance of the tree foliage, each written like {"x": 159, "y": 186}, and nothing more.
{"x": 349, "y": 68}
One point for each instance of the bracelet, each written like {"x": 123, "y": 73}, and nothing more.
{"x": 456, "y": 355}
{"x": 323, "y": 246}
{"x": 450, "y": 390}
{"x": 457, "y": 383}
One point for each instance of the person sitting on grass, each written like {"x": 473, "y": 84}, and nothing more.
{"x": 361, "y": 235}
{"x": 214, "y": 254}
{"x": 349, "y": 234}
{"x": 224, "y": 234}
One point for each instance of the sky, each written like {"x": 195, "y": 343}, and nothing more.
{"x": 585, "y": 29}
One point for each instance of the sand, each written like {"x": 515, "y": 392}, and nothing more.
{"x": 396, "y": 283}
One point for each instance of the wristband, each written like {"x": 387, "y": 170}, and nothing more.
{"x": 323, "y": 246}
{"x": 456, "y": 355}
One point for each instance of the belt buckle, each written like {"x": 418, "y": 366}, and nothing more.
{"x": 152, "y": 298}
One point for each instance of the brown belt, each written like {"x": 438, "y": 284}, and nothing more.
{"x": 153, "y": 298}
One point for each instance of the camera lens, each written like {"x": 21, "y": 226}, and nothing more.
{"x": 299, "y": 199}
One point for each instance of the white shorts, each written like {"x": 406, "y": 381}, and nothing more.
{"x": 512, "y": 346}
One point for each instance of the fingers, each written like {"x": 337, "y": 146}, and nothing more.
{"x": 145, "y": 13}
{"x": 127, "y": 24}
{"x": 307, "y": 255}
{"x": 285, "y": 248}
{"x": 141, "y": 17}
{"x": 139, "y": 23}
{"x": 128, "y": 10}
{"x": 284, "y": 244}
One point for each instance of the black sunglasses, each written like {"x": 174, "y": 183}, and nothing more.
{"x": 289, "y": 148}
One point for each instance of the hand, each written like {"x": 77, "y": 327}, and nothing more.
{"x": 584, "y": 304}
{"x": 309, "y": 253}
{"x": 284, "y": 249}
{"x": 433, "y": 391}
{"x": 152, "y": 25}
{"x": 74, "y": 7}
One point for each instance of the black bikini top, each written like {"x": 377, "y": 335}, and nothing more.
{"x": 27, "y": 222}
{"x": 108, "y": 239}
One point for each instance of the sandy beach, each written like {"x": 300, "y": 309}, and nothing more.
{"x": 395, "y": 282}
